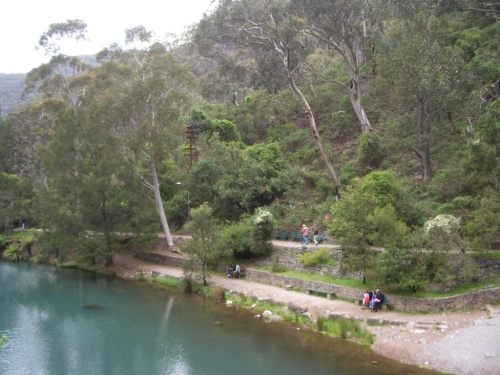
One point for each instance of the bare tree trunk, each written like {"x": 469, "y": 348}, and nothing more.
{"x": 159, "y": 206}
{"x": 424, "y": 134}
{"x": 354, "y": 94}
{"x": 319, "y": 142}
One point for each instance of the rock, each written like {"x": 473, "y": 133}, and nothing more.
{"x": 267, "y": 314}
{"x": 297, "y": 308}
{"x": 275, "y": 318}
{"x": 229, "y": 303}
{"x": 155, "y": 273}
{"x": 419, "y": 331}
{"x": 307, "y": 314}
{"x": 257, "y": 316}
{"x": 254, "y": 306}
{"x": 92, "y": 307}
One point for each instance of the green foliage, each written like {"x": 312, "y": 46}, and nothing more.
{"x": 346, "y": 329}
{"x": 203, "y": 248}
{"x": 251, "y": 237}
{"x": 318, "y": 257}
{"x": 370, "y": 153}
{"x": 13, "y": 253}
{"x": 484, "y": 228}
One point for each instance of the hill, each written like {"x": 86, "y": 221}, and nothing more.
{"x": 11, "y": 87}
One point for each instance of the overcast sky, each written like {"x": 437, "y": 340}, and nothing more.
{"x": 23, "y": 21}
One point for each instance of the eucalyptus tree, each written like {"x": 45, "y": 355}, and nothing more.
{"x": 266, "y": 27}
{"x": 52, "y": 88}
{"x": 146, "y": 91}
{"x": 430, "y": 77}
{"x": 342, "y": 25}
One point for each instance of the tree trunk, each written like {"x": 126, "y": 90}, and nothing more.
{"x": 424, "y": 135}
{"x": 159, "y": 205}
{"x": 109, "y": 260}
{"x": 355, "y": 95}
{"x": 312, "y": 124}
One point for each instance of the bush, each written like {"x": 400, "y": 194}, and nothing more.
{"x": 13, "y": 254}
{"x": 319, "y": 257}
{"x": 370, "y": 153}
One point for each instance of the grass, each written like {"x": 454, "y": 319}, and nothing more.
{"x": 346, "y": 329}
{"x": 358, "y": 284}
{"x": 485, "y": 254}
{"x": 338, "y": 328}
{"x": 477, "y": 285}
{"x": 170, "y": 282}
{"x": 327, "y": 279}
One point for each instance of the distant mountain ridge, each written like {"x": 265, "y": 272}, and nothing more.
{"x": 12, "y": 86}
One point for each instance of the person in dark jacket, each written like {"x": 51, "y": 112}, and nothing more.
{"x": 379, "y": 300}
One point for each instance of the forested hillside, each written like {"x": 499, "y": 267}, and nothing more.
{"x": 11, "y": 87}
{"x": 378, "y": 121}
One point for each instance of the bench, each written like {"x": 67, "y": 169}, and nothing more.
{"x": 282, "y": 235}
{"x": 241, "y": 275}
{"x": 296, "y": 236}
{"x": 359, "y": 301}
{"x": 329, "y": 295}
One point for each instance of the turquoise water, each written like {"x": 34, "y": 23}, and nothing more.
{"x": 133, "y": 329}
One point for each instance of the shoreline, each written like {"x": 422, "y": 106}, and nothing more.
{"x": 462, "y": 343}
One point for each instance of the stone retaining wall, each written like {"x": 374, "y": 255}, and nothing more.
{"x": 463, "y": 301}
{"x": 160, "y": 259}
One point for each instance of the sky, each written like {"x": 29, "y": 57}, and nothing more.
{"x": 24, "y": 21}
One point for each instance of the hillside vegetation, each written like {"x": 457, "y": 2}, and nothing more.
{"x": 377, "y": 121}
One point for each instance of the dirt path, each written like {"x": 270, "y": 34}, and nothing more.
{"x": 465, "y": 343}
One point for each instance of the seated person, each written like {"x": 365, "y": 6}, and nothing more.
{"x": 237, "y": 271}
{"x": 230, "y": 272}
{"x": 379, "y": 300}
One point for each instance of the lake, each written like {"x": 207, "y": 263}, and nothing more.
{"x": 62, "y": 321}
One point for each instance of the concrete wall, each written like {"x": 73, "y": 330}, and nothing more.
{"x": 463, "y": 301}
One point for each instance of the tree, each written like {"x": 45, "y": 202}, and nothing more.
{"x": 342, "y": 25}
{"x": 203, "y": 248}
{"x": 351, "y": 227}
{"x": 147, "y": 91}
{"x": 266, "y": 27}
{"x": 430, "y": 77}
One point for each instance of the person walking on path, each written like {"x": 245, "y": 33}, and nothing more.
{"x": 315, "y": 235}
{"x": 305, "y": 234}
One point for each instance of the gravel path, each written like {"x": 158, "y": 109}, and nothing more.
{"x": 463, "y": 343}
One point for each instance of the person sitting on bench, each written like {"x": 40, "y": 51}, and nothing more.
{"x": 237, "y": 271}
{"x": 379, "y": 300}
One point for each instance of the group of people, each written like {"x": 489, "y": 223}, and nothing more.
{"x": 305, "y": 234}
{"x": 234, "y": 271}
{"x": 373, "y": 300}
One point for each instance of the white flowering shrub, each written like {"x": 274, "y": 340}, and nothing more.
{"x": 447, "y": 223}
{"x": 444, "y": 232}
{"x": 263, "y": 228}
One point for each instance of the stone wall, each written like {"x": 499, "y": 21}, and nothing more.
{"x": 463, "y": 301}
{"x": 288, "y": 257}
{"x": 160, "y": 259}
{"x": 490, "y": 268}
